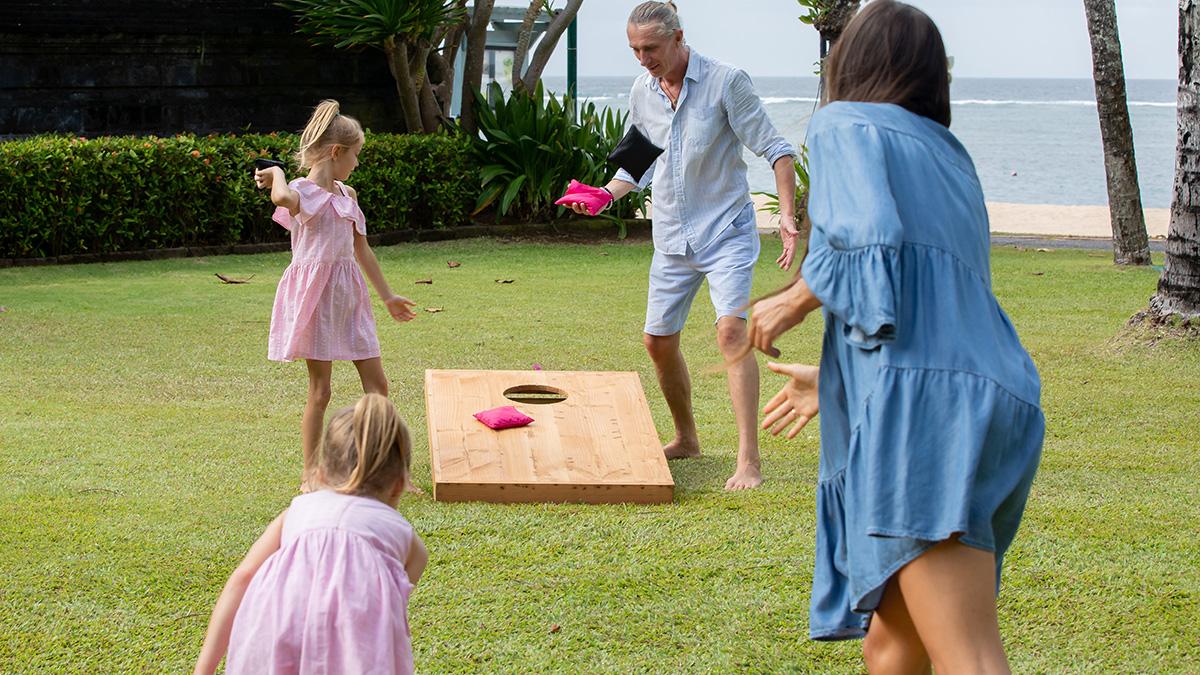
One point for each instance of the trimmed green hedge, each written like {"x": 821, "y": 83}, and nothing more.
{"x": 62, "y": 195}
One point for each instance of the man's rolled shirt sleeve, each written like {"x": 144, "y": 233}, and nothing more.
{"x": 748, "y": 119}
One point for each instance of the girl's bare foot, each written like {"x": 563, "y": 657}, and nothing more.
{"x": 682, "y": 448}
{"x": 745, "y": 478}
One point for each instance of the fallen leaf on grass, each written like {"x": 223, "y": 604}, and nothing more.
{"x": 505, "y": 281}
{"x": 433, "y": 310}
{"x": 424, "y": 281}
{"x": 1038, "y": 274}
{"x": 453, "y": 263}
{"x": 555, "y": 628}
{"x": 230, "y": 280}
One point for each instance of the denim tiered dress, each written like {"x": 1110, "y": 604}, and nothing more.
{"x": 930, "y": 417}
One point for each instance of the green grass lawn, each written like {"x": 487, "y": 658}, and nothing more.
{"x": 145, "y": 441}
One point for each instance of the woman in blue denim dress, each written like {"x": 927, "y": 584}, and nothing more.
{"x": 931, "y": 427}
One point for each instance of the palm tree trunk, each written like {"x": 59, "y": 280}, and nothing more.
{"x": 397, "y": 58}
{"x": 1179, "y": 286}
{"x": 473, "y": 68}
{"x": 545, "y": 48}
{"x": 524, "y": 37}
{"x": 1131, "y": 246}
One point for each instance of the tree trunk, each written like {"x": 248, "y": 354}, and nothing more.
{"x": 1131, "y": 246}
{"x": 473, "y": 68}
{"x": 524, "y": 37}
{"x": 444, "y": 61}
{"x": 1179, "y": 286}
{"x": 545, "y": 48}
{"x": 397, "y": 58}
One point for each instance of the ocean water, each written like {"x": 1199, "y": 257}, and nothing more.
{"x": 1034, "y": 141}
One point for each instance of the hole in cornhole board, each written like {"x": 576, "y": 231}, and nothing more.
{"x": 592, "y": 441}
{"x": 535, "y": 393}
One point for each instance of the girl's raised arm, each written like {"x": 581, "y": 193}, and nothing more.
{"x": 216, "y": 641}
{"x": 281, "y": 193}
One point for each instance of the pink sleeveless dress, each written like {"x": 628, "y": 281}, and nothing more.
{"x": 322, "y": 309}
{"x": 334, "y": 597}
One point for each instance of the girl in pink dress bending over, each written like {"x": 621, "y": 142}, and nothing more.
{"x": 322, "y": 311}
{"x": 325, "y": 589}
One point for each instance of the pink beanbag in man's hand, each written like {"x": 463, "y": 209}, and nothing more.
{"x": 594, "y": 198}
{"x": 504, "y": 417}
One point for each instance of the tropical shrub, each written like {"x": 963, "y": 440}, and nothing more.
{"x": 63, "y": 195}
{"x": 531, "y": 147}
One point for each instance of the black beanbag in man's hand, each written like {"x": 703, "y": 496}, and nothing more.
{"x": 635, "y": 153}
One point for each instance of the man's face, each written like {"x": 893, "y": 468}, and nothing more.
{"x": 656, "y": 52}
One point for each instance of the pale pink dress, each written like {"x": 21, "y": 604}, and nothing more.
{"x": 334, "y": 597}
{"x": 322, "y": 310}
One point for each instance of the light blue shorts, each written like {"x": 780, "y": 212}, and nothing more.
{"x": 727, "y": 263}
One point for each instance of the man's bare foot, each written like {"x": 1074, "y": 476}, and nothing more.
{"x": 745, "y": 478}
{"x": 682, "y": 449}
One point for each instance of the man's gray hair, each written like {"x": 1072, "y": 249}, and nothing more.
{"x": 665, "y": 14}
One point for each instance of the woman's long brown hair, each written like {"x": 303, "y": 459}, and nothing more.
{"x": 890, "y": 52}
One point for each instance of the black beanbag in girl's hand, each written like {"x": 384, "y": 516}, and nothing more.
{"x": 262, "y": 163}
{"x": 635, "y": 153}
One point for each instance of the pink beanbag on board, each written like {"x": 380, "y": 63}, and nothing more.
{"x": 594, "y": 198}
{"x": 504, "y": 417}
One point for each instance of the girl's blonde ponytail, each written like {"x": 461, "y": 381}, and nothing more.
{"x": 326, "y": 127}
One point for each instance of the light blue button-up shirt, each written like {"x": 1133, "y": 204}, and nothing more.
{"x": 700, "y": 179}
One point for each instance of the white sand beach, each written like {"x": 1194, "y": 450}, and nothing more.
{"x": 1039, "y": 219}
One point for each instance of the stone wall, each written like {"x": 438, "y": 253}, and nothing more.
{"x": 100, "y": 67}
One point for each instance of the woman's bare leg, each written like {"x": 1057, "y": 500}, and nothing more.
{"x": 892, "y": 644}
{"x": 950, "y": 593}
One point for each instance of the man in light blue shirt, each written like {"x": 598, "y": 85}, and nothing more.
{"x": 701, "y": 112}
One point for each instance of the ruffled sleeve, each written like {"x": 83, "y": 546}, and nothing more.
{"x": 853, "y": 263}
{"x": 283, "y": 215}
{"x": 347, "y": 207}
{"x": 313, "y": 198}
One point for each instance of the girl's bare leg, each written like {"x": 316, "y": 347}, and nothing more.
{"x": 370, "y": 371}
{"x": 374, "y": 381}
{"x": 319, "y": 375}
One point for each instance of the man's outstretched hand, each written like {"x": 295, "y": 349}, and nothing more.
{"x": 585, "y": 199}
{"x": 789, "y": 235}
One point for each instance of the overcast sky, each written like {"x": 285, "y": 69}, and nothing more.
{"x": 987, "y": 38}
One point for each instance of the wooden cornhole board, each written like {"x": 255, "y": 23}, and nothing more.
{"x": 598, "y": 445}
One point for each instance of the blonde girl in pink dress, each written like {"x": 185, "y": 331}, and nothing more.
{"x": 325, "y": 589}
{"x": 322, "y": 310}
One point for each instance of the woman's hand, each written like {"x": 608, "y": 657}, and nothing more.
{"x": 400, "y": 308}
{"x": 796, "y": 402}
{"x": 777, "y": 314}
